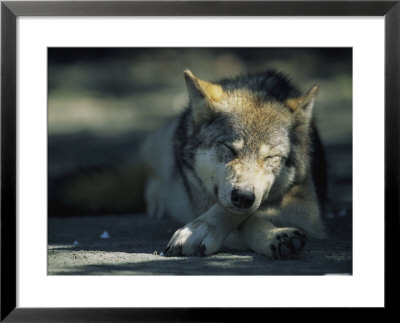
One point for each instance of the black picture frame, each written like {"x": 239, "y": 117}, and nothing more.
{"x": 11, "y": 10}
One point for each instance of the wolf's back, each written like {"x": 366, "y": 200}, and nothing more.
{"x": 319, "y": 168}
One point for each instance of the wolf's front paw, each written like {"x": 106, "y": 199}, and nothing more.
{"x": 286, "y": 243}
{"x": 197, "y": 238}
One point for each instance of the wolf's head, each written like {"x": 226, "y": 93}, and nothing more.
{"x": 249, "y": 137}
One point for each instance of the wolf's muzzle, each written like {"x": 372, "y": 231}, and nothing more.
{"x": 242, "y": 198}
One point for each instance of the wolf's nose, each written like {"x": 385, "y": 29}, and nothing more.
{"x": 242, "y": 198}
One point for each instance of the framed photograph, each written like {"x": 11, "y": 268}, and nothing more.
{"x": 178, "y": 154}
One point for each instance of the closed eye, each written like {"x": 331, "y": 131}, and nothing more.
{"x": 274, "y": 158}
{"x": 230, "y": 148}
{"x": 270, "y": 157}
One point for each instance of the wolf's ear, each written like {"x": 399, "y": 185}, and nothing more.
{"x": 305, "y": 103}
{"x": 203, "y": 96}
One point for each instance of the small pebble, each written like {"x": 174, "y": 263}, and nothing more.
{"x": 75, "y": 243}
{"x": 155, "y": 253}
{"x": 161, "y": 254}
{"x": 105, "y": 235}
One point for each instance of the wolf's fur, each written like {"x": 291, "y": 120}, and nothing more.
{"x": 236, "y": 167}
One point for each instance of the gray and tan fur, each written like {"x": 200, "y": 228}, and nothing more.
{"x": 237, "y": 168}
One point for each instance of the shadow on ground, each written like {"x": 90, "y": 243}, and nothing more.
{"x": 135, "y": 242}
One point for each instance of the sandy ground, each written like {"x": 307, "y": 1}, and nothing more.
{"x": 134, "y": 240}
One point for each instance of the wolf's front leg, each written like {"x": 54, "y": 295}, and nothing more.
{"x": 279, "y": 231}
{"x": 204, "y": 235}
{"x": 264, "y": 238}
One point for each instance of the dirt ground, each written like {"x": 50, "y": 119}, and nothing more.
{"x": 135, "y": 242}
{"x": 103, "y": 102}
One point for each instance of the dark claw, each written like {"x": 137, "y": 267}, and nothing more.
{"x": 173, "y": 252}
{"x": 296, "y": 244}
{"x": 301, "y": 235}
{"x": 201, "y": 251}
{"x": 177, "y": 251}
{"x": 284, "y": 251}
{"x": 274, "y": 252}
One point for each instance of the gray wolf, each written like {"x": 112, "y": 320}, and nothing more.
{"x": 242, "y": 167}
